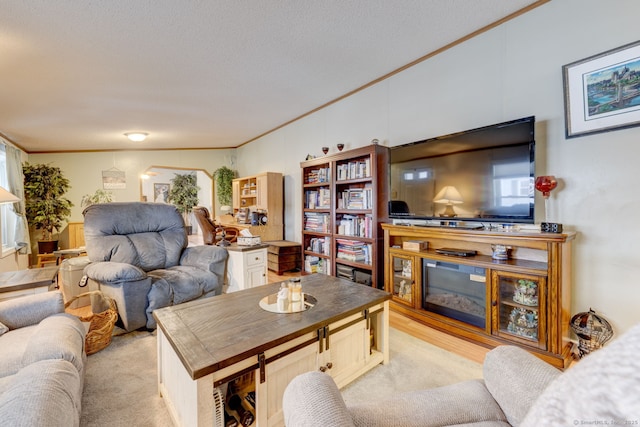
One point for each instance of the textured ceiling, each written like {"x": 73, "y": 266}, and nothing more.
{"x": 76, "y": 75}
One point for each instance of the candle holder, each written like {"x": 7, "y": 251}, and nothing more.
{"x": 545, "y": 184}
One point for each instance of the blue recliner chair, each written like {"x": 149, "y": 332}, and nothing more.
{"x": 139, "y": 257}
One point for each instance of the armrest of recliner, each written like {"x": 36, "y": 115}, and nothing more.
{"x": 515, "y": 378}
{"x": 312, "y": 399}
{"x": 206, "y": 257}
{"x": 30, "y": 309}
{"x": 113, "y": 272}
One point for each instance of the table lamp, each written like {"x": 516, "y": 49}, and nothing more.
{"x": 450, "y": 196}
{"x": 7, "y": 197}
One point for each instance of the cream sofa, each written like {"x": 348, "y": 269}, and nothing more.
{"x": 518, "y": 389}
{"x": 42, "y": 362}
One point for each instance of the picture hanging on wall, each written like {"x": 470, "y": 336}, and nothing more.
{"x": 602, "y": 92}
{"x": 160, "y": 193}
{"x": 114, "y": 179}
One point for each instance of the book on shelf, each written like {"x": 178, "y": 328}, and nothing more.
{"x": 316, "y": 221}
{"x": 318, "y": 199}
{"x": 354, "y": 251}
{"x": 314, "y": 264}
{"x": 319, "y": 175}
{"x": 355, "y": 225}
{"x": 355, "y": 169}
{"x": 320, "y": 245}
{"x": 356, "y": 198}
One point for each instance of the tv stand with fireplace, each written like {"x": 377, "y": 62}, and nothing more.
{"x": 523, "y": 300}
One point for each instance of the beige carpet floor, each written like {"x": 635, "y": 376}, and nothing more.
{"x": 121, "y": 383}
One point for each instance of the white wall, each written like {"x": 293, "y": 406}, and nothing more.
{"x": 84, "y": 170}
{"x": 509, "y": 72}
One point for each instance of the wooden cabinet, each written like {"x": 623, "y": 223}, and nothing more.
{"x": 524, "y": 300}
{"x": 246, "y": 267}
{"x": 342, "y": 349}
{"x": 344, "y": 199}
{"x": 261, "y": 194}
{"x": 72, "y": 236}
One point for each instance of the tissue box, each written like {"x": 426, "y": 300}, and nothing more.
{"x": 248, "y": 241}
{"x": 415, "y": 245}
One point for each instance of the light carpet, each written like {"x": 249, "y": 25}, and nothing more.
{"x": 121, "y": 381}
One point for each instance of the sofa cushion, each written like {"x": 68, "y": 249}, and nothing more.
{"x": 177, "y": 285}
{"x": 43, "y": 394}
{"x": 601, "y": 388}
{"x": 12, "y": 345}
{"x": 60, "y": 336}
{"x": 504, "y": 377}
{"x": 468, "y": 402}
{"x": 30, "y": 310}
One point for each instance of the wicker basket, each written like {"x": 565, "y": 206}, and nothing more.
{"x": 101, "y": 324}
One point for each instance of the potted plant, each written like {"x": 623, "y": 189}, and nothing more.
{"x": 184, "y": 195}
{"x": 224, "y": 185}
{"x": 100, "y": 196}
{"x": 45, "y": 204}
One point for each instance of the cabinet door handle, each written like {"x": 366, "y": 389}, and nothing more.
{"x": 329, "y": 365}
{"x": 322, "y": 369}
{"x": 494, "y": 303}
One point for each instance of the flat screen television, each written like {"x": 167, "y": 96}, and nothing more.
{"x": 481, "y": 175}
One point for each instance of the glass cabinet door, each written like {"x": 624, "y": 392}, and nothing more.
{"x": 519, "y": 308}
{"x": 403, "y": 278}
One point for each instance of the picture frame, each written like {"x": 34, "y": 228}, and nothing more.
{"x": 602, "y": 92}
{"x": 160, "y": 192}
{"x": 114, "y": 179}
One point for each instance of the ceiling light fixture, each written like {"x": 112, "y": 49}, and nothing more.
{"x": 136, "y": 136}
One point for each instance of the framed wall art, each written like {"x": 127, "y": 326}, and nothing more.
{"x": 602, "y": 92}
{"x": 160, "y": 193}
{"x": 114, "y": 179}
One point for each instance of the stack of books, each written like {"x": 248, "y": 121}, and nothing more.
{"x": 354, "y": 251}
{"x": 318, "y": 222}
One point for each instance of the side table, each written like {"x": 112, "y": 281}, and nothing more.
{"x": 14, "y": 284}
{"x": 246, "y": 266}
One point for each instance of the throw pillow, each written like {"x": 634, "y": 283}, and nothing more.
{"x": 3, "y": 328}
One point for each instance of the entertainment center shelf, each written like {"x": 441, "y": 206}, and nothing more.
{"x": 523, "y": 300}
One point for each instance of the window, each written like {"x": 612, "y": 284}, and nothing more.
{"x": 7, "y": 216}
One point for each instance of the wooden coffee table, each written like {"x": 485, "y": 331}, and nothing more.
{"x": 204, "y": 344}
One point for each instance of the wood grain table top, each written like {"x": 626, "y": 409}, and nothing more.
{"x": 27, "y": 279}
{"x": 213, "y": 333}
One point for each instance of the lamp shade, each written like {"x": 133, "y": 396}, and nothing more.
{"x": 7, "y": 197}
{"x": 448, "y": 195}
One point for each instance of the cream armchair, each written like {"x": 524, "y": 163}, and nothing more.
{"x": 518, "y": 390}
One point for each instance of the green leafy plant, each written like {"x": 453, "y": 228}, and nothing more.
{"x": 224, "y": 189}
{"x": 100, "y": 196}
{"x": 184, "y": 193}
{"x": 44, "y": 188}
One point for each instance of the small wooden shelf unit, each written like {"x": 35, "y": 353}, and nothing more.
{"x": 537, "y": 321}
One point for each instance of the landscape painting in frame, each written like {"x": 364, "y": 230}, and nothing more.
{"x": 602, "y": 92}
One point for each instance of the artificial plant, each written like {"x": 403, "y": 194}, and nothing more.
{"x": 100, "y": 196}
{"x": 45, "y": 204}
{"x": 184, "y": 193}
{"x": 224, "y": 189}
